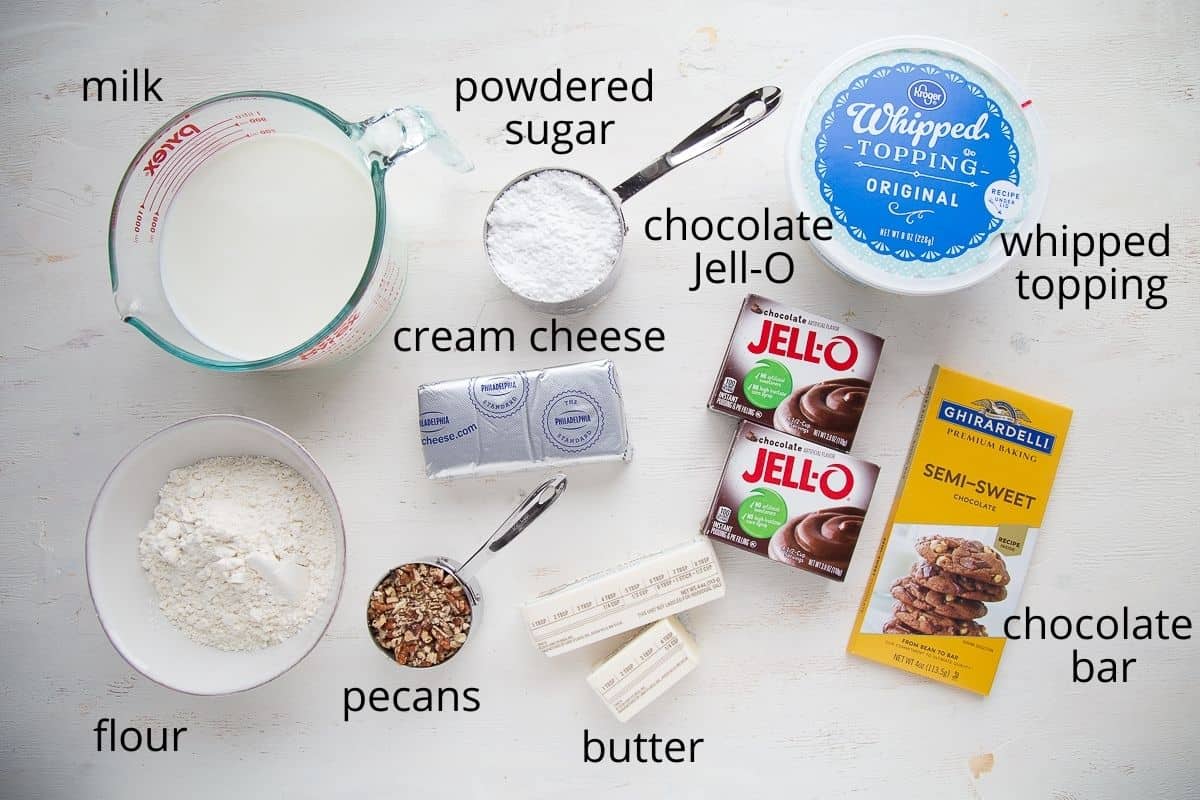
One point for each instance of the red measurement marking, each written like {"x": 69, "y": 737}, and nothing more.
{"x": 198, "y": 157}
{"x": 181, "y": 149}
{"x": 206, "y": 134}
{"x": 170, "y": 191}
{"x": 330, "y": 340}
{"x": 1027, "y": 104}
{"x": 197, "y": 165}
{"x": 165, "y": 187}
{"x": 173, "y": 167}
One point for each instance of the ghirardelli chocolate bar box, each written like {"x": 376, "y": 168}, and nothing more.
{"x": 960, "y": 539}
{"x": 798, "y": 373}
{"x": 792, "y": 501}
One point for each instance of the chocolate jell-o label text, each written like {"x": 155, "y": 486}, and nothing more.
{"x": 839, "y": 353}
{"x": 780, "y": 469}
{"x": 798, "y": 373}
{"x": 792, "y": 501}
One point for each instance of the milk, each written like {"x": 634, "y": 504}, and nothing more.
{"x": 265, "y": 243}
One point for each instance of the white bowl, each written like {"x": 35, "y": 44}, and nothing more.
{"x": 126, "y": 602}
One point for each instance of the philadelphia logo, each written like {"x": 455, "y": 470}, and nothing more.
{"x": 573, "y": 421}
{"x": 999, "y": 419}
{"x": 433, "y": 421}
{"x": 926, "y": 94}
{"x": 499, "y": 395}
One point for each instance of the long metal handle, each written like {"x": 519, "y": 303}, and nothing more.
{"x": 745, "y": 113}
{"x": 530, "y": 509}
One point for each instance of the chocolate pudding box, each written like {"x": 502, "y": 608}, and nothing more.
{"x": 961, "y": 535}
{"x": 798, "y": 373}
{"x": 792, "y": 501}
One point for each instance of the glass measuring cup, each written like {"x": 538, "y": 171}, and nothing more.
{"x": 170, "y": 157}
{"x": 743, "y": 114}
{"x": 463, "y": 575}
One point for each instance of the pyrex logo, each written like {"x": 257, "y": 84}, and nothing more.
{"x": 169, "y": 144}
{"x": 434, "y": 421}
{"x": 839, "y": 353}
{"x": 998, "y": 419}
{"x": 926, "y": 94}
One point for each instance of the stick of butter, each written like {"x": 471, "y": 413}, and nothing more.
{"x": 625, "y": 597}
{"x": 645, "y": 668}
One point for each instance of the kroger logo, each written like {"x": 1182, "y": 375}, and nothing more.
{"x": 433, "y": 421}
{"x": 926, "y": 94}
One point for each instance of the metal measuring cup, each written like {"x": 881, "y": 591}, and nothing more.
{"x": 744, "y": 113}
{"x": 463, "y": 574}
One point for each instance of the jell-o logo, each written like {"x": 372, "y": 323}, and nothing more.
{"x": 838, "y": 353}
{"x": 783, "y": 469}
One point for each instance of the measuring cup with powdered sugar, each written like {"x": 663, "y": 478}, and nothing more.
{"x": 554, "y": 236}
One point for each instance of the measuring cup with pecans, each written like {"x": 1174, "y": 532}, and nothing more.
{"x": 421, "y": 614}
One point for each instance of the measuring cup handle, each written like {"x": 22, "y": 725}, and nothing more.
{"x": 744, "y": 113}
{"x": 530, "y": 509}
{"x": 393, "y": 134}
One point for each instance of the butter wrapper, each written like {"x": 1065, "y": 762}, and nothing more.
{"x": 523, "y": 420}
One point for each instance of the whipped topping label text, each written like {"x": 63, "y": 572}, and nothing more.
{"x": 917, "y": 163}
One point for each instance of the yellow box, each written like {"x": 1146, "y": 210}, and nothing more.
{"x": 961, "y": 532}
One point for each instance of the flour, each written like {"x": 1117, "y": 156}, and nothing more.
{"x": 553, "y": 236}
{"x": 220, "y": 525}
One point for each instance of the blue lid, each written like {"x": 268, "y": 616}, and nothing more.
{"x": 922, "y": 152}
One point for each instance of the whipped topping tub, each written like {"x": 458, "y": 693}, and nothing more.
{"x": 923, "y": 152}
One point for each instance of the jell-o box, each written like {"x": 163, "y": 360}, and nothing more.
{"x": 796, "y": 372}
{"x": 791, "y": 500}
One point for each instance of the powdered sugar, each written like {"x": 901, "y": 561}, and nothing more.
{"x": 553, "y": 236}
{"x": 241, "y": 551}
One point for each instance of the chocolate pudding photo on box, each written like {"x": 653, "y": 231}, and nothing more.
{"x": 796, "y": 372}
{"x": 791, "y": 501}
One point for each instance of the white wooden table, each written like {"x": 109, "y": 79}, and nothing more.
{"x": 778, "y": 702}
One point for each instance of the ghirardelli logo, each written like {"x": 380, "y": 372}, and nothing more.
{"x": 170, "y": 143}
{"x": 999, "y": 409}
{"x": 839, "y": 353}
{"x": 999, "y": 419}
